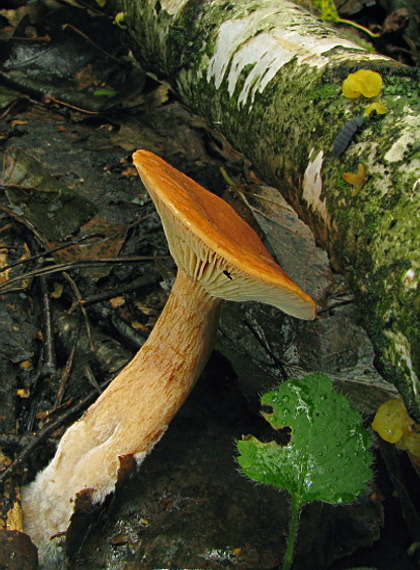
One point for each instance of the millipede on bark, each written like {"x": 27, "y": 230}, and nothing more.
{"x": 345, "y": 135}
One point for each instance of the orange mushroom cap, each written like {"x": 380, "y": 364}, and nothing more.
{"x": 214, "y": 245}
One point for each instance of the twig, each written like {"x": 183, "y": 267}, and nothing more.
{"x": 51, "y": 99}
{"x": 66, "y": 372}
{"x": 142, "y": 281}
{"x": 91, "y": 377}
{"x": 47, "y": 328}
{"x": 87, "y": 38}
{"x": 262, "y": 341}
{"x": 76, "y": 291}
{"x": 56, "y": 268}
{"x": 7, "y": 110}
{"x": 49, "y": 252}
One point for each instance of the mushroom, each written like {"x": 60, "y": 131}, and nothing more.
{"x": 218, "y": 257}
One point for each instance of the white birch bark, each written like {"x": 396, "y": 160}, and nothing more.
{"x": 268, "y": 75}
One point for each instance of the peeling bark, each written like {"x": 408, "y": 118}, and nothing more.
{"x": 268, "y": 75}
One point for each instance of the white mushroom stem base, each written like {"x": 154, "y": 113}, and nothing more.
{"x": 130, "y": 416}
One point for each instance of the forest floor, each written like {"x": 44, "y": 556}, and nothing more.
{"x": 67, "y": 132}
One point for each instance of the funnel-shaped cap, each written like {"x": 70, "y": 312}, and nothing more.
{"x": 215, "y": 246}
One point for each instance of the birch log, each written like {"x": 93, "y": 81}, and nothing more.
{"x": 268, "y": 75}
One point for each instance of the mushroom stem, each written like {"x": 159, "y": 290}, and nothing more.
{"x": 132, "y": 413}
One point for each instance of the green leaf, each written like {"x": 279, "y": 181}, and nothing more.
{"x": 106, "y": 92}
{"x": 327, "y": 458}
{"x": 328, "y": 10}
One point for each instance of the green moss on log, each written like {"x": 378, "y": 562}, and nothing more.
{"x": 285, "y": 124}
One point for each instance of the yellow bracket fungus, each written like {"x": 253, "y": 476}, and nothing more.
{"x": 378, "y": 108}
{"x": 362, "y": 82}
{"x": 394, "y": 425}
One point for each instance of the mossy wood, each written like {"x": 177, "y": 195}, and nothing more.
{"x": 268, "y": 75}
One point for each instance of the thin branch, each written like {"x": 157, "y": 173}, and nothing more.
{"x": 49, "y": 252}
{"x": 66, "y": 372}
{"x": 47, "y": 327}
{"x": 96, "y": 46}
{"x": 57, "y": 268}
{"x": 79, "y": 298}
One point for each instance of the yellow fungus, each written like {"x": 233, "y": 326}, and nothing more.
{"x": 237, "y": 551}
{"x": 58, "y": 290}
{"x": 120, "y": 19}
{"x": 394, "y": 425}
{"x": 116, "y": 302}
{"x": 411, "y": 442}
{"x": 376, "y": 107}
{"x": 14, "y": 518}
{"x": 356, "y": 179}
{"x": 363, "y": 82}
